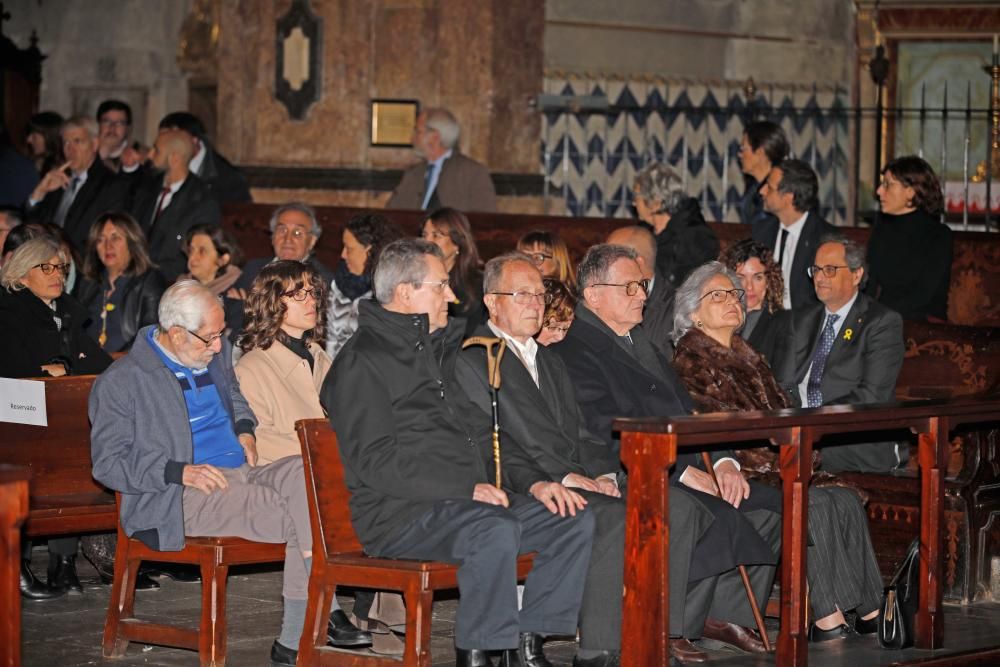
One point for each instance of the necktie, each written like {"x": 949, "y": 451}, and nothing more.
{"x": 427, "y": 184}
{"x": 781, "y": 245}
{"x": 160, "y": 206}
{"x": 67, "y": 200}
{"x": 814, "y": 397}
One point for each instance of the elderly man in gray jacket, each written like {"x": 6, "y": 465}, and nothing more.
{"x": 173, "y": 434}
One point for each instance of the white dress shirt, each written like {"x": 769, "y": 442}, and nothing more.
{"x": 794, "y": 233}
{"x": 837, "y": 326}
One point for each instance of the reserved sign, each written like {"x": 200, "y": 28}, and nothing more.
{"x": 23, "y": 402}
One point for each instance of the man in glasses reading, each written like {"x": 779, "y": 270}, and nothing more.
{"x": 848, "y": 350}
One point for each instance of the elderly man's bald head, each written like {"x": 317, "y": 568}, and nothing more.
{"x": 642, "y": 241}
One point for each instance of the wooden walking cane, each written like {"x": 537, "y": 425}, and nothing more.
{"x": 743, "y": 570}
{"x": 493, "y": 379}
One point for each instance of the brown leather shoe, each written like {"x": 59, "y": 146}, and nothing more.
{"x": 742, "y": 638}
{"x": 685, "y": 652}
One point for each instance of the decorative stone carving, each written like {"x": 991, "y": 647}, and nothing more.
{"x": 196, "y": 50}
{"x": 298, "y": 60}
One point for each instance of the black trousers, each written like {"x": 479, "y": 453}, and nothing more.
{"x": 485, "y": 540}
{"x": 601, "y": 613}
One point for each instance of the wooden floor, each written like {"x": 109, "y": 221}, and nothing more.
{"x": 67, "y": 632}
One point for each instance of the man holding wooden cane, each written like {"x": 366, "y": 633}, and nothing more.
{"x": 418, "y": 460}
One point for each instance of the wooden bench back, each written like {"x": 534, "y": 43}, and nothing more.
{"x": 58, "y": 454}
{"x": 329, "y": 512}
{"x": 945, "y": 361}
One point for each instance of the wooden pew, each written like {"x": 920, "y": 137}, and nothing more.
{"x": 649, "y": 449}
{"x": 972, "y": 298}
{"x": 13, "y": 512}
{"x": 64, "y": 499}
{"x": 338, "y": 558}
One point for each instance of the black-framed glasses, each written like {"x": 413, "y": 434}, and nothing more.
{"x": 720, "y": 295}
{"x": 829, "y": 270}
{"x": 631, "y": 287}
{"x": 436, "y": 285}
{"x": 524, "y": 297}
{"x": 301, "y": 294}
{"x": 48, "y": 268}
{"x": 207, "y": 341}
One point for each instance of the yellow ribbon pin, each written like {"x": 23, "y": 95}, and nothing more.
{"x": 847, "y": 334}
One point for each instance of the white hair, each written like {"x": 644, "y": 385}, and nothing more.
{"x": 444, "y": 123}
{"x": 184, "y": 305}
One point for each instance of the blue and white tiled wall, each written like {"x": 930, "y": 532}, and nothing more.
{"x": 590, "y": 159}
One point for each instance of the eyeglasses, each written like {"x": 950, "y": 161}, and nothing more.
{"x": 47, "y": 268}
{"x": 829, "y": 270}
{"x": 539, "y": 258}
{"x": 631, "y": 287}
{"x": 207, "y": 341}
{"x": 436, "y": 285}
{"x": 296, "y": 232}
{"x": 524, "y": 298}
{"x": 555, "y": 327}
{"x": 301, "y": 294}
{"x": 721, "y": 295}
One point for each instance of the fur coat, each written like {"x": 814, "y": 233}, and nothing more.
{"x": 738, "y": 378}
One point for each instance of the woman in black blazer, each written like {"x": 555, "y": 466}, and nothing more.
{"x": 122, "y": 288}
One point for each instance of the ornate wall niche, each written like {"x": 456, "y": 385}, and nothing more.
{"x": 298, "y": 61}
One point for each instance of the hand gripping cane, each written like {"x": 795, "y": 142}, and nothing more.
{"x": 743, "y": 570}
{"x": 493, "y": 379}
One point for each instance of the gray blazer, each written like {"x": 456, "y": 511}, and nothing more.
{"x": 140, "y": 438}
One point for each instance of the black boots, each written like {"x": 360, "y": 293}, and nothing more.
{"x": 32, "y": 588}
{"x": 527, "y": 654}
{"x": 340, "y": 632}
{"x": 62, "y": 574}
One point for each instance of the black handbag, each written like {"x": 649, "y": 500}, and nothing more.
{"x": 900, "y": 601}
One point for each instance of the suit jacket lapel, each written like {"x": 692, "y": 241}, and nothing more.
{"x": 89, "y": 190}
{"x": 853, "y": 322}
{"x": 811, "y": 326}
{"x": 546, "y": 387}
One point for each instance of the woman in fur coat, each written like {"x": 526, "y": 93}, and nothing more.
{"x": 722, "y": 373}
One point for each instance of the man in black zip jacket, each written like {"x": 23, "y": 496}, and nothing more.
{"x": 418, "y": 462}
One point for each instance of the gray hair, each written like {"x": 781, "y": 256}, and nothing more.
{"x": 304, "y": 209}
{"x": 184, "y": 305}
{"x": 688, "y": 296}
{"x": 596, "y": 264}
{"x": 84, "y": 122}
{"x": 854, "y": 252}
{"x": 494, "y": 268}
{"x": 659, "y": 183}
{"x": 28, "y": 255}
{"x": 444, "y": 123}
{"x": 401, "y": 262}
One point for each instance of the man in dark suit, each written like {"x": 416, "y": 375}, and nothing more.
{"x": 171, "y": 201}
{"x": 73, "y": 194}
{"x": 444, "y": 177}
{"x": 617, "y": 372}
{"x": 848, "y": 350}
{"x": 224, "y": 180}
{"x": 791, "y": 194}
{"x": 658, "y": 313}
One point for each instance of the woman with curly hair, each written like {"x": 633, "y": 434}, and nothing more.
{"x": 363, "y": 239}
{"x": 909, "y": 252}
{"x": 449, "y": 229}
{"x": 550, "y": 255}
{"x": 768, "y": 327}
{"x": 558, "y": 315}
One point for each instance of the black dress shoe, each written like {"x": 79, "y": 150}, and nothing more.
{"x": 62, "y": 574}
{"x": 529, "y": 650}
{"x": 609, "y": 659}
{"x": 839, "y": 632}
{"x": 33, "y": 589}
{"x": 143, "y": 582}
{"x": 863, "y": 627}
{"x": 472, "y": 657}
{"x": 282, "y": 656}
{"x": 341, "y": 633}
{"x": 185, "y": 574}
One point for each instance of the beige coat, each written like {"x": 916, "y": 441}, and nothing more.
{"x": 280, "y": 389}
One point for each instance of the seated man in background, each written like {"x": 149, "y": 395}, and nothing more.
{"x": 294, "y": 233}
{"x": 173, "y": 434}
{"x": 848, "y": 350}
{"x": 418, "y": 462}
{"x": 225, "y": 181}
{"x": 617, "y": 372}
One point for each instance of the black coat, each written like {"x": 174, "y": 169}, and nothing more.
{"x": 544, "y": 419}
{"x": 766, "y": 231}
{"x": 751, "y": 204}
{"x": 658, "y": 315}
{"x": 29, "y": 337}
{"x": 773, "y": 338}
{"x": 408, "y": 434}
{"x": 224, "y": 181}
{"x": 686, "y": 243}
{"x": 909, "y": 265}
{"x": 102, "y": 192}
{"x": 140, "y": 302}
{"x": 191, "y": 205}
